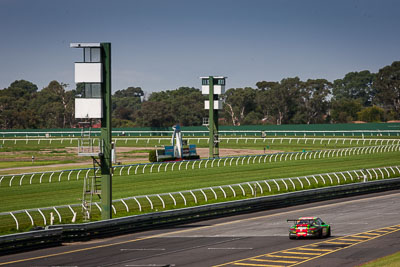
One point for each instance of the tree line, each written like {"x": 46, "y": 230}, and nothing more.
{"x": 362, "y": 96}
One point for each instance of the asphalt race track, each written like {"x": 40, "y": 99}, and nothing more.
{"x": 363, "y": 228}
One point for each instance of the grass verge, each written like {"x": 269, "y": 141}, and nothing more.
{"x": 388, "y": 261}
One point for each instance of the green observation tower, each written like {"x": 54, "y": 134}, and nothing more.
{"x": 214, "y": 87}
{"x": 93, "y": 104}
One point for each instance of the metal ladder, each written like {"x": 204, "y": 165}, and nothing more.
{"x": 85, "y": 144}
{"x": 91, "y": 187}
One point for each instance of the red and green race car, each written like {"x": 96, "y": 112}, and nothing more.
{"x": 309, "y": 227}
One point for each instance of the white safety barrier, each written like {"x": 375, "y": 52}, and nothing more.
{"x": 244, "y": 189}
{"x": 277, "y": 157}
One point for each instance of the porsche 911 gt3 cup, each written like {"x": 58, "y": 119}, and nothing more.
{"x": 309, "y": 227}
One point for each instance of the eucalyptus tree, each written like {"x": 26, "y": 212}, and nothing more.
{"x": 315, "y": 100}
{"x": 387, "y": 86}
{"x": 355, "y": 85}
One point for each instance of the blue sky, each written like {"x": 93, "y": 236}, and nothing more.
{"x": 164, "y": 44}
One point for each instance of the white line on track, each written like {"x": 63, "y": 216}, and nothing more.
{"x": 142, "y": 249}
{"x": 149, "y": 265}
{"x": 230, "y": 248}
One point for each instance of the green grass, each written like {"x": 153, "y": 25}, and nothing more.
{"x": 240, "y": 142}
{"x": 15, "y": 164}
{"x": 49, "y": 151}
{"x": 388, "y": 261}
{"x": 69, "y": 192}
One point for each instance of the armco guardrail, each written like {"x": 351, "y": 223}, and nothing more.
{"x": 30, "y": 240}
{"x": 134, "y": 169}
{"x": 77, "y": 232}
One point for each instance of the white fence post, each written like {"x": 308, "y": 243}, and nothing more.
{"x": 44, "y": 218}
{"x": 166, "y": 166}
{"x": 261, "y": 190}
{"x": 308, "y": 181}
{"x": 322, "y": 179}
{"x": 30, "y": 217}
{"x": 277, "y": 185}
{"x": 337, "y": 177}
{"x": 137, "y": 167}
{"x": 20, "y": 181}
{"x": 315, "y": 179}
{"x": 162, "y": 201}
{"x": 126, "y": 206}
{"x": 129, "y": 169}
{"x": 173, "y": 199}
{"x": 300, "y": 182}
{"x": 159, "y": 167}
{"x": 77, "y": 175}
{"x": 269, "y": 187}
{"x": 184, "y": 199}
{"x": 15, "y": 219}
{"x": 330, "y": 178}
{"x": 140, "y": 206}
{"x": 294, "y": 186}
{"x": 59, "y": 177}
{"x": 244, "y": 193}
{"x": 251, "y": 188}
{"x": 286, "y": 186}
{"x": 11, "y": 180}
{"x": 151, "y": 203}
{"x": 215, "y": 194}
{"x": 194, "y": 196}
{"x": 205, "y": 196}
{"x": 212, "y": 163}
{"x": 344, "y": 177}
{"x": 58, "y": 214}
{"x": 113, "y": 207}
{"x": 233, "y": 191}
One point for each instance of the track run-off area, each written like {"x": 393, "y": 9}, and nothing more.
{"x": 363, "y": 228}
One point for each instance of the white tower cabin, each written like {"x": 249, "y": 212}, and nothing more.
{"x": 219, "y": 89}
{"x": 219, "y": 85}
{"x": 89, "y": 103}
{"x": 90, "y": 72}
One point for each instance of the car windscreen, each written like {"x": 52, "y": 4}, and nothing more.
{"x": 305, "y": 222}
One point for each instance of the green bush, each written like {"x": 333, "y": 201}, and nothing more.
{"x": 192, "y": 157}
{"x": 167, "y": 159}
{"x": 152, "y": 156}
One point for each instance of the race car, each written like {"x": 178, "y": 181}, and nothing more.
{"x": 309, "y": 227}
